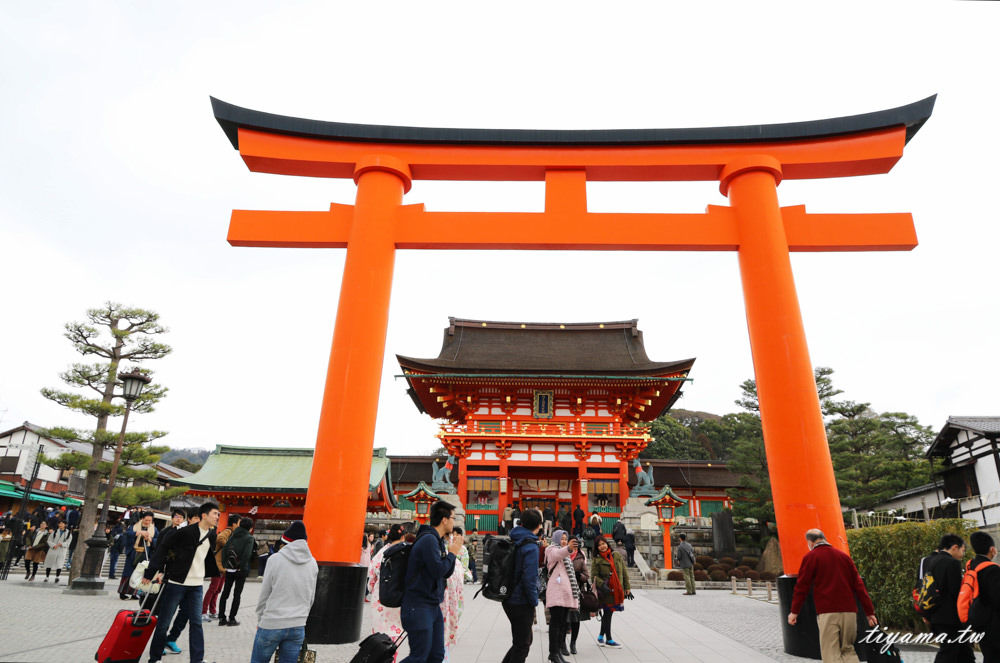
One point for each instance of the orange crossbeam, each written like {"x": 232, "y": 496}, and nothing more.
{"x": 841, "y": 156}
{"x": 714, "y": 230}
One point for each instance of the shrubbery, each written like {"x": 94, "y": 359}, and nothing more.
{"x": 704, "y": 560}
{"x": 698, "y": 567}
{"x": 753, "y": 575}
{"x": 700, "y": 575}
{"x": 728, "y": 561}
{"x": 736, "y": 573}
{"x": 767, "y": 576}
{"x": 888, "y": 557}
{"x": 715, "y": 567}
{"x": 717, "y": 575}
{"x": 675, "y": 575}
{"x": 752, "y": 562}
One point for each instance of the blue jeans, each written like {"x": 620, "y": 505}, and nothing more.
{"x": 190, "y": 598}
{"x": 424, "y": 625}
{"x": 288, "y": 642}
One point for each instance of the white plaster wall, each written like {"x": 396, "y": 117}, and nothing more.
{"x": 986, "y": 476}
{"x": 45, "y": 473}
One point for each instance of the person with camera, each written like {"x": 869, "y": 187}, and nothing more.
{"x": 432, "y": 562}
{"x": 611, "y": 580}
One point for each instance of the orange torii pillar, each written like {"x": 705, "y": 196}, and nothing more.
{"x": 749, "y": 162}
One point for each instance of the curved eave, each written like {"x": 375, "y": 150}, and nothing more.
{"x": 205, "y": 488}
{"x": 433, "y": 366}
{"x": 232, "y": 118}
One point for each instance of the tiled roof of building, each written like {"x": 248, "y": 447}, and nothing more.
{"x": 979, "y": 424}
{"x": 988, "y": 426}
{"x": 598, "y": 348}
{"x": 263, "y": 469}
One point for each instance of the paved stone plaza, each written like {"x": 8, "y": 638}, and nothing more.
{"x": 38, "y": 623}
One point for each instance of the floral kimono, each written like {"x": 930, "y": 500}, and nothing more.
{"x": 384, "y": 620}
{"x": 452, "y": 606}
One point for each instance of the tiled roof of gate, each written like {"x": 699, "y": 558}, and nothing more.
{"x": 597, "y": 348}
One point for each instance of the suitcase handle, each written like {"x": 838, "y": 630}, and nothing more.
{"x": 156, "y": 601}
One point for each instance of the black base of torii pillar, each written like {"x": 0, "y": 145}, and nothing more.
{"x": 339, "y": 605}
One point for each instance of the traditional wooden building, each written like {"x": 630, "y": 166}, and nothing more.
{"x": 543, "y": 414}
{"x": 270, "y": 483}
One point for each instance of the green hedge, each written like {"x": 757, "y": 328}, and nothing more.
{"x": 888, "y": 558}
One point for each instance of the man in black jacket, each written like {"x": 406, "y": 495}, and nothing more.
{"x": 185, "y": 559}
{"x": 946, "y": 568}
{"x": 988, "y": 577}
{"x": 242, "y": 543}
{"x": 578, "y": 516}
{"x": 548, "y": 519}
{"x": 432, "y": 561}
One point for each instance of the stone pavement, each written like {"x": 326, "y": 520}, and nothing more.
{"x": 38, "y": 623}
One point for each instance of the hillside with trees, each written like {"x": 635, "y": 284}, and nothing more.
{"x": 190, "y": 460}
{"x": 875, "y": 454}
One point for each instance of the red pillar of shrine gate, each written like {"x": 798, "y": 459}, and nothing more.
{"x": 338, "y": 486}
{"x": 794, "y": 433}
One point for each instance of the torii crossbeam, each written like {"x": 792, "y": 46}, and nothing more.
{"x": 749, "y": 162}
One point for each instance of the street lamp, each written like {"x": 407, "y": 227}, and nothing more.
{"x": 90, "y": 580}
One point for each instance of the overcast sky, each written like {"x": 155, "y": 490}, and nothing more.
{"x": 116, "y": 183}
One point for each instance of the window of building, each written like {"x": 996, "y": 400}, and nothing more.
{"x": 708, "y": 507}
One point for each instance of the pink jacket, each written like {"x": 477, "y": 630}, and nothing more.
{"x": 559, "y": 591}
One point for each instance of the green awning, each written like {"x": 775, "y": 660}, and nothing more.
{"x": 61, "y": 501}
{"x": 8, "y": 489}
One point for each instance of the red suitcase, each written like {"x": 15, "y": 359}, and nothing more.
{"x": 128, "y": 636}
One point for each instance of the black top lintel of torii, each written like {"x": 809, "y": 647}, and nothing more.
{"x": 912, "y": 116}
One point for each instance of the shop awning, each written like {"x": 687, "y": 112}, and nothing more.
{"x": 8, "y": 489}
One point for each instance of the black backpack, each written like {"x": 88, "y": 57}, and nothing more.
{"x": 927, "y": 594}
{"x": 500, "y": 576}
{"x": 231, "y": 558}
{"x": 392, "y": 573}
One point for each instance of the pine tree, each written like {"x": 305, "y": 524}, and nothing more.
{"x": 114, "y": 334}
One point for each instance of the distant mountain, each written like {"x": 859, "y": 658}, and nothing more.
{"x": 194, "y": 456}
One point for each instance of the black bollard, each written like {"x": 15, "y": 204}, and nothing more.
{"x": 339, "y": 605}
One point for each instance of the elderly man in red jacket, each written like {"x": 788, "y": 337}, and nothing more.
{"x": 836, "y": 586}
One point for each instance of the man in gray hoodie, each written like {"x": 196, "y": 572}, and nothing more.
{"x": 286, "y": 596}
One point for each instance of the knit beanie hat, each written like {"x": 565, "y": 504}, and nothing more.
{"x": 295, "y": 531}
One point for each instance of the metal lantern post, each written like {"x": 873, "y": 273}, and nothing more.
{"x": 90, "y": 580}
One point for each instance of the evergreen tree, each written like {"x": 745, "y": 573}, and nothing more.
{"x": 112, "y": 333}
{"x": 671, "y": 439}
{"x": 876, "y": 455}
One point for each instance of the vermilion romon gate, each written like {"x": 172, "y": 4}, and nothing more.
{"x": 748, "y": 162}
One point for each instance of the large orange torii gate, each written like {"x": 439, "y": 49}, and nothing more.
{"x": 748, "y": 162}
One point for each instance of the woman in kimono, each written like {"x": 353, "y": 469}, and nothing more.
{"x": 454, "y": 601}
{"x": 384, "y": 620}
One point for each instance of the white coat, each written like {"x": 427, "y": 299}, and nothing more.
{"x": 59, "y": 540}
